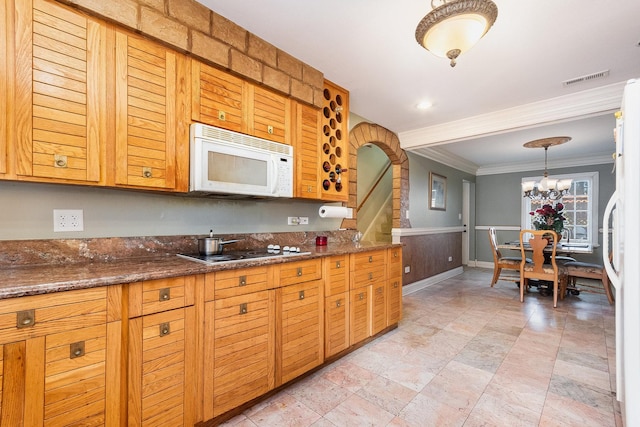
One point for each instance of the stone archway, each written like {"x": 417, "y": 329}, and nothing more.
{"x": 387, "y": 141}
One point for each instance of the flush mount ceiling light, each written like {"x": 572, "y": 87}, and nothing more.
{"x": 547, "y": 188}
{"x": 455, "y": 26}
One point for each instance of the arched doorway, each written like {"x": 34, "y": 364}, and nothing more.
{"x": 367, "y": 133}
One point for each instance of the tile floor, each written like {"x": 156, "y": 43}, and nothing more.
{"x": 466, "y": 354}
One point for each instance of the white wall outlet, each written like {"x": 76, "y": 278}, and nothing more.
{"x": 303, "y": 220}
{"x": 407, "y": 269}
{"x": 407, "y": 213}
{"x": 68, "y": 220}
{"x": 450, "y": 258}
{"x": 293, "y": 220}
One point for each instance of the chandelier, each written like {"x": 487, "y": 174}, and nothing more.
{"x": 547, "y": 188}
{"x": 455, "y": 26}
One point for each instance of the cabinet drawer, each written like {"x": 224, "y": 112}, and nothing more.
{"x": 225, "y": 284}
{"x": 154, "y": 296}
{"x": 38, "y": 315}
{"x": 299, "y": 271}
{"x": 394, "y": 263}
{"x": 336, "y": 274}
{"x": 368, "y": 276}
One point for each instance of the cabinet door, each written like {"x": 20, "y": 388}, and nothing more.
{"x": 336, "y": 323}
{"x": 359, "y": 314}
{"x": 4, "y": 84}
{"x": 60, "y": 93}
{"x": 57, "y": 351}
{"x": 239, "y": 351}
{"x": 306, "y": 146}
{"x": 151, "y": 130}
{"x": 378, "y": 307}
{"x": 161, "y": 361}
{"x": 334, "y": 146}
{"x": 269, "y": 115}
{"x": 218, "y": 98}
{"x": 394, "y": 301}
{"x": 300, "y": 329}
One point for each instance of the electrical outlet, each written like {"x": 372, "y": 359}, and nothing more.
{"x": 293, "y": 220}
{"x": 68, "y": 220}
{"x": 450, "y": 258}
{"x": 407, "y": 269}
{"x": 303, "y": 220}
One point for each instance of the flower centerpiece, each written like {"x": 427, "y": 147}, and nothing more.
{"x": 549, "y": 218}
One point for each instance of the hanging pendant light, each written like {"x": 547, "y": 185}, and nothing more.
{"x": 455, "y": 26}
{"x": 547, "y": 188}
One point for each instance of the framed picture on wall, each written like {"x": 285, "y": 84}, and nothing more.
{"x": 438, "y": 192}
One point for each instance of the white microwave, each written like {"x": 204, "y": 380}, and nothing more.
{"x": 231, "y": 163}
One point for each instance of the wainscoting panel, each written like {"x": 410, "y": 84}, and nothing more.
{"x": 428, "y": 254}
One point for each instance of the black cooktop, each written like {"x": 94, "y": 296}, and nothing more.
{"x": 237, "y": 256}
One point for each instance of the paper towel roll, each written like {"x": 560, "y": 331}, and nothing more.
{"x": 335, "y": 212}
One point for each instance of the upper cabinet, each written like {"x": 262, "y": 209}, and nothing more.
{"x": 217, "y": 98}
{"x": 307, "y": 137}
{"x": 334, "y": 146}
{"x": 223, "y": 100}
{"x": 151, "y": 126}
{"x": 60, "y": 97}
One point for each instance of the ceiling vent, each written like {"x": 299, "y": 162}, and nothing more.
{"x": 581, "y": 79}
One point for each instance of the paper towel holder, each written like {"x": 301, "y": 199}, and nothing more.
{"x": 335, "y": 212}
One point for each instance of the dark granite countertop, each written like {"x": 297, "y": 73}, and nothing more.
{"x": 41, "y": 278}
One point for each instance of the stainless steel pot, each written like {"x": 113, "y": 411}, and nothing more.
{"x": 212, "y": 245}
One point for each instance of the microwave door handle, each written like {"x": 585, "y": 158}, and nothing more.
{"x": 274, "y": 175}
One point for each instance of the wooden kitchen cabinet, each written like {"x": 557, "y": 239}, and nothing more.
{"x": 394, "y": 286}
{"x": 306, "y": 124}
{"x": 368, "y": 302}
{"x": 299, "y": 319}
{"x": 239, "y": 338}
{"x": 59, "y": 93}
{"x": 334, "y": 144}
{"x": 218, "y": 98}
{"x": 336, "y": 276}
{"x": 151, "y": 115}
{"x": 226, "y": 101}
{"x": 61, "y": 358}
{"x": 162, "y": 352}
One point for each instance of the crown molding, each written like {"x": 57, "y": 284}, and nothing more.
{"x": 522, "y": 167}
{"x": 448, "y": 159}
{"x": 568, "y": 107}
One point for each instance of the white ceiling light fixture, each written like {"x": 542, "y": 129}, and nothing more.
{"x": 424, "y": 105}
{"x": 547, "y": 188}
{"x": 455, "y": 26}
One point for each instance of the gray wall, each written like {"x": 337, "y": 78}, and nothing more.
{"x": 420, "y": 214}
{"x": 27, "y": 213}
{"x": 499, "y": 197}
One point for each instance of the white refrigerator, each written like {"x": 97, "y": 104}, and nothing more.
{"x": 623, "y": 215}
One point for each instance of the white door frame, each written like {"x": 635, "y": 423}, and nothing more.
{"x": 466, "y": 202}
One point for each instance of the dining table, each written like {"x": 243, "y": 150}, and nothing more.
{"x": 562, "y": 248}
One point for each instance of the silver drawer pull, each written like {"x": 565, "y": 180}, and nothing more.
{"x": 242, "y": 280}
{"x": 299, "y": 272}
{"x": 338, "y": 265}
{"x": 370, "y": 276}
{"x": 76, "y": 349}
{"x": 59, "y": 161}
{"x": 395, "y": 285}
{"x": 380, "y": 290}
{"x": 338, "y": 303}
{"x": 301, "y": 295}
{"x": 25, "y": 318}
{"x": 164, "y": 294}
{"x": 146, "y": 172}
{"x": 243, "y": 308}
{"x": 361, "y": 296}
{"x": 370, "y": 258}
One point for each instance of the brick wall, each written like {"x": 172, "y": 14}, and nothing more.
{"x": 190, "y": 27}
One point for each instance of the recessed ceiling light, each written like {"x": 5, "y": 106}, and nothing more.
{"x": 424, "y": 105}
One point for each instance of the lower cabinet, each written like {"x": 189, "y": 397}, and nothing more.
{"x": 299, "y": 329}
{"x": 360, "y": 314}
{"x": 378, "y": 307}
{"x": 162, "y": 351}
{"x": 60, "y": 360}
{"x": 336, "y": 309}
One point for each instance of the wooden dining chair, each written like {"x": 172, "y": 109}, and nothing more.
{"x": 503, "y": 262}
{"x": 586, "y": 270}
{"x": 538, "y": 269}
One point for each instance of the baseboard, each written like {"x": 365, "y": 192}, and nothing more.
{"x": 429, "y": 281}
{"x": 484, "y": 264}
